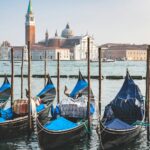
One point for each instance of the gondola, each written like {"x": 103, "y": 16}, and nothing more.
{"x": 61, "y": 131}
{"x": 5, "y": 91}
{"x": 119, "y": 123}
{"x": 47, "y": 95}
{"x": 17, "y": 126}
{"x": 65, "y": 125}
{"x": 81, "y": 88}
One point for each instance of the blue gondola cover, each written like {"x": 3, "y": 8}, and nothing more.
{"x": 40, "y": 108}
{"x": 92, "y": 109}
{"x": 2, "y": 120}
{"x": 6, "y": 85}
{"x": 80, "y": 85}
{"x": 7, "y": 114}
{"x": 60, "y": 124}
{"x": 128, "y": 104}
{"x": 55, "y": 111}
{"x": 46, "y": 88}
{"x": 117, "y": 124}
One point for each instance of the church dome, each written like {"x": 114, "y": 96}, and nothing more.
{"x": 67, "y": 32}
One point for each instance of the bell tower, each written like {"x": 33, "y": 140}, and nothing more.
{"x": 46, "y": 37}
{"x": 30, "y": 25}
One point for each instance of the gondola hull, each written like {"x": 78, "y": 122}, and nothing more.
{"x": 4, "y": 96}
{"x": 17, "y": 127}
{"x": 113, "y": 138}
{"x": 14, "y": 128}
{"x": 49, "y": 96}
{"x": 48, "y": 93}
{"x": 5, "y": 91}
{"x": 49, "y": 139}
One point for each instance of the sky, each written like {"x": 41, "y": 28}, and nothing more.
{"x": 115, "y": 21}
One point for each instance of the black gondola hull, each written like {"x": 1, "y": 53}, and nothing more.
{"x": 49, "y": 140}
{"x": 49, "y": 96}
{"x": 18, "y": 127}
{"x": 14, "y": 128}
{"x": 114, "y": 138}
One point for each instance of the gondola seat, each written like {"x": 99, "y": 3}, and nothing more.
{"x": 117, "y": 124}
{"x": 60, "y": 124}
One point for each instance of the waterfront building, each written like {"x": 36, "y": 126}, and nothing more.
{"x": 38, "y": 53}
{"x": 18, "y": 53}
{"x": 136, "y": 54}
{"x": 4, "y": 50}
{"x": 126, "y": 51}
{"x": 76, "y": 44}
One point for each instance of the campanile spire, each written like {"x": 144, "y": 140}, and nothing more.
{"x": 30, "y": 25}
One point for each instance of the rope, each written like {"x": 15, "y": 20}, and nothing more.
{"x": 100, "y": 138}
{"x": 86, "y": 128}
{"x": 145, "y": 124}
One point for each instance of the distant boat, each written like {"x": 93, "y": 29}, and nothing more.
{"x": 121, "y": 59}
{"x": 103, "y": 60}
{"x": 93, "y": 60}
{"x": 108, "y": 60}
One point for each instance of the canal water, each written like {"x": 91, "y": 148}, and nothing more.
{"x": 109, "y": 91}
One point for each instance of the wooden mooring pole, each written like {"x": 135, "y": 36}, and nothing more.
{"x": 45, "y": 68}
{"x": 22, "y": 73}
{"x": 29, "y": 87}
{"x": 12, "y": 76}
{"x": 100, "y": 76}
{"x": 89, "y": 85}
{"x": 148, "y": 94}
{"x": 58, "y": 77}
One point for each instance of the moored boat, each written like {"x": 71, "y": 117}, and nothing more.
{"x": 60, "y": 131}
{"x": 68, "y": 122}
{"x": 5, "y": 91}
{"x": 14, "y": 123}
{"x": 48, "y": 93}
{"x": 81, "y": 88}
{"x": 16, "y": 127}
{"x": 119, "y": 123}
